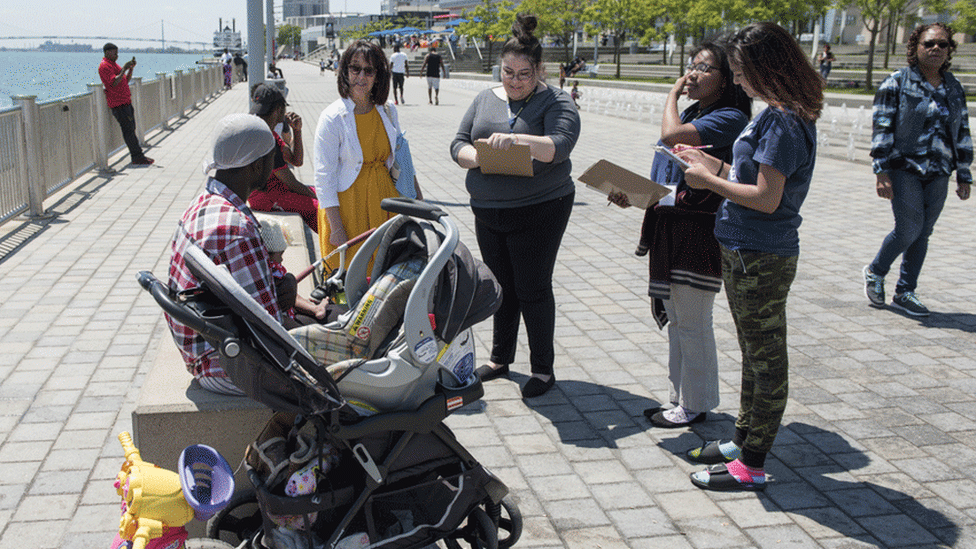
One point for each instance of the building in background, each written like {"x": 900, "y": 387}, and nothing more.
{"x": 304, "y": 8}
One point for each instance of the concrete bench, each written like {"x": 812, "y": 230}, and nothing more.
{"x": 173, "y": 411}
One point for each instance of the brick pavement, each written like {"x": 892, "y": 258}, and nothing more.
{"x": 876, "y": 442}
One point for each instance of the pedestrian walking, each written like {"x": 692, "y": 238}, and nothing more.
{"x": 921, "y": 135}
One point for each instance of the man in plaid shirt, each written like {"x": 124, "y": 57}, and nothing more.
{"x": 219, "y": 222}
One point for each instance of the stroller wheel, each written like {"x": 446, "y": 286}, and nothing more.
{"x": 510, "y": 522}
{"x": 238, "y": 521}
{"x": 206, "y": 543}
{"x": 479, "y": 532}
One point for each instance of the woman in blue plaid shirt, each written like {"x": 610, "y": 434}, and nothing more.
{"x": 921, "y": 135}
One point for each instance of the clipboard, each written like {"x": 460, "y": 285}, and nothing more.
{"x": 514, "y": 161}
{"x": 607, "y": 177}
{"x": 671, "y": 156}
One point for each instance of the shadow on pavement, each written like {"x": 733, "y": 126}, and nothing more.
{"x": 812, "y": 474}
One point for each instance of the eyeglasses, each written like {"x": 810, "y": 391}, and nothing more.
{"x": 700, "y": 67}
{"x": 929, "y": 44}
{"x": 356, "y": 69}
{"x": 521, "y": 76}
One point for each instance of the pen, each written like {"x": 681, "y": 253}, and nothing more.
{"x": 690, "y": 147}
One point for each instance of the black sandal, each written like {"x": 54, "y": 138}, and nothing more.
{"x": 708, "y": 454}
{"x": 721, "y": 480}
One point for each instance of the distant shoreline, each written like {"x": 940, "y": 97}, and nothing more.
{"x": 175, "y": 51}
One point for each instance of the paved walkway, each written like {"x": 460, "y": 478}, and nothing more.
{"x": 875, "y": 450}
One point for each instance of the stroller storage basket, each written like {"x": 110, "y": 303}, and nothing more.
{"x": 423, "y": 512}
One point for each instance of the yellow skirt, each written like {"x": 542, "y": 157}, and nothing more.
{"x": 359, "y": 208}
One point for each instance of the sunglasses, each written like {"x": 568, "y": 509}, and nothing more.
{"x": 929, "y": 44}
{"x": 356, "y": 69}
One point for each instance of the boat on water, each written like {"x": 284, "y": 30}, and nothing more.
{"x": 227, "y": 38}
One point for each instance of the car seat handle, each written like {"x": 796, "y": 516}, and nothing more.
{"x": 413, "y": 208}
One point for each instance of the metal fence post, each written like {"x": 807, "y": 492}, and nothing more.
{"x": 99, "y": 126}
{"x": 163, "y": 99}
{"x": 136, "y": 84}
{"x": 181, "y": 105}
{"x": 36, "y": 187}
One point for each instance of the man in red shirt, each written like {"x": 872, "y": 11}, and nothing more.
{"x": 115, "y": 79}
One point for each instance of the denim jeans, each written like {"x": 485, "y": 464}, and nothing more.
{"x": 916, "y": 203}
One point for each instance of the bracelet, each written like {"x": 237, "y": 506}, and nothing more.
{"x": 720, "y": 168}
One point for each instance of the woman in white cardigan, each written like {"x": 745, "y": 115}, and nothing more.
{"x": 354, "y": 144}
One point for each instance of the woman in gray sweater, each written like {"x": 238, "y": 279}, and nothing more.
{"x": 520, "y": 221}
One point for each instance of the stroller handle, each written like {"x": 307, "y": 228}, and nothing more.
{"x": 413, "y": 208}
{"x": 229, "y": 345}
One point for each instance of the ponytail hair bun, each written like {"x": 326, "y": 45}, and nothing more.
{"x": 523, "y": 27}
{"x": 523, "y": 41}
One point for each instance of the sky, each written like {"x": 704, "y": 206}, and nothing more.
{"x": 190, "y": 20}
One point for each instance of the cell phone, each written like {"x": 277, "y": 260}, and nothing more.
{"x": 673, "y": 157}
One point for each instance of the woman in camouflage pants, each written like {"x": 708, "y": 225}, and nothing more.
{"x": 764, "y": 187}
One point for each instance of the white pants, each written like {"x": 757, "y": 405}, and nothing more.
{"x": 693, "y": 361}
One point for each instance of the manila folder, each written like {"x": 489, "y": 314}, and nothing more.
{"x": 514, "y": 161}
{"x": 607, "y": 177}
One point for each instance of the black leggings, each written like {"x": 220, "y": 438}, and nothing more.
{"x": 519, "y": 245}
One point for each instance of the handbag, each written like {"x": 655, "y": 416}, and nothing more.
{"x": 402, "y": 171}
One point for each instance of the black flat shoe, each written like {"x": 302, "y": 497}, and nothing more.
{"x": 658, "y": 420}
{"x": 649, "y": 413}
{"x": 487, "y": 373}
{"x": 536, "y": 387}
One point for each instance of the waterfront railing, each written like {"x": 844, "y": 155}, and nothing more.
{"x": 45, "y": 146}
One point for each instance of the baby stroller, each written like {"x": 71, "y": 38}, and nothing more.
{"x": 357, "y": 454}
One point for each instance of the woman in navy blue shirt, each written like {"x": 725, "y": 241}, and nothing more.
{"x": 684, "y": 265}
{"x": 764, "y": 187}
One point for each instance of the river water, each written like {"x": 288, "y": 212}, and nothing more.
{"x": 53, "y": 75}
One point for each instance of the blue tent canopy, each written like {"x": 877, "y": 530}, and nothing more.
{"x": 400, "y": 31}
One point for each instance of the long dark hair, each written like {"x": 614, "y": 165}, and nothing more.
{"x": 777, "y": 69}
{"x": 733, "y": 96}
{"x": 373, "y": 55}
{"x": 917, "y": 35}
{"x": 523, "y": 42}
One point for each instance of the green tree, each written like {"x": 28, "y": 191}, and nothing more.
{"x": 620, "y": 18}
{"x": 489, "y": 21}
{"x": 357, "y": 32}
{"x": 965, "y": 16}
{"x": 874, "y": 13}
{"x": 558, "y": 18}
{"x": 289, "y": 35}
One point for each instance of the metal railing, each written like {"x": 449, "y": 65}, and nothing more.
{"x": 43, "y": 147}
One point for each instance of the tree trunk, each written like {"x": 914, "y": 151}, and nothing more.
{"x": 616, "y": 53}
{"x": 869, "y": 79}
{"x": 889, "y": 40}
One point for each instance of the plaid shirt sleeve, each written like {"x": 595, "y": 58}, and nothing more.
{"x": 884, "y": 113}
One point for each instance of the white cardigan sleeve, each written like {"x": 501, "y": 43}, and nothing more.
{"x": 328, "y": 140}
